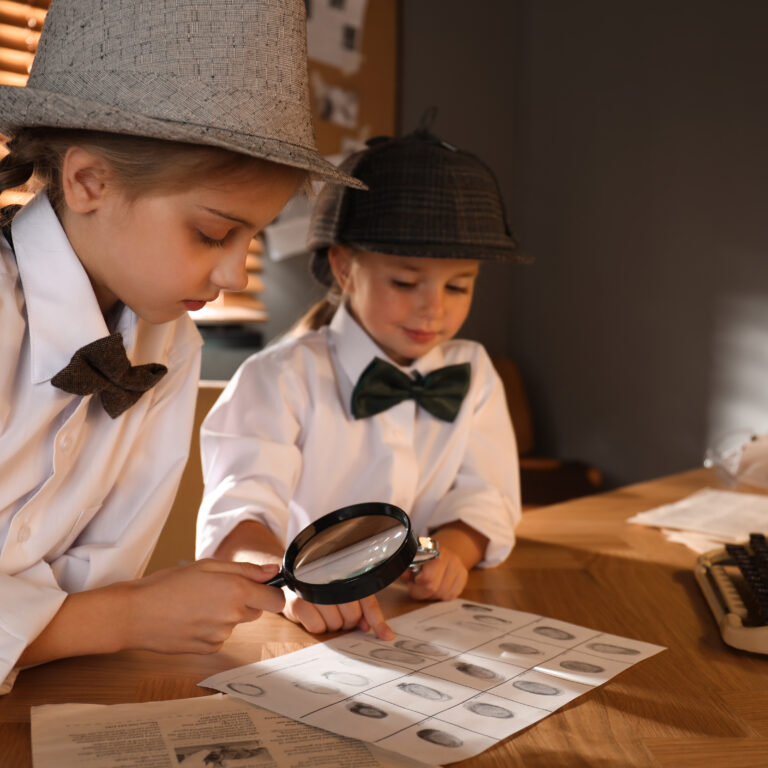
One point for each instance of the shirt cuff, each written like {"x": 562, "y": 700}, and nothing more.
{"x": 488, "y": 512}
{"x": 28, "y": 602}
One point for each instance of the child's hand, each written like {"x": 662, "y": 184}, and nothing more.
{"x": 365, "y": 614}
{"x": 443, "y": 578}
{"x": 195, "y": 607}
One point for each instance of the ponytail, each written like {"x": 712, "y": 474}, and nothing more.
{"x": 319, "y": 314}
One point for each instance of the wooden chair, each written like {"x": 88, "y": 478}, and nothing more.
{"x": 543, "y": 480}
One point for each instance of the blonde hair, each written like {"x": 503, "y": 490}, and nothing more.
{"x": 141, "y": 165}
{"x": 322, "y": 312}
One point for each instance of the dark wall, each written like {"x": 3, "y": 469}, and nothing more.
{"x": 630, "y": 140}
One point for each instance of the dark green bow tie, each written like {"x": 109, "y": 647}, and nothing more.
{"x": 382, "y": 385}
{"x": 103, "y": 367}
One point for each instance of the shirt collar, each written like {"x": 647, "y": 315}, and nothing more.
{"x": 62, "y": 311}
{"x": 355, "y": 349}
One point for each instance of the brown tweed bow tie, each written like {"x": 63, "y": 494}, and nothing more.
{"x": 103, "y": 367}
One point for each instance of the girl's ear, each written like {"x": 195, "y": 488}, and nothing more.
{"x": 340, "y": 260}
{"x": 85, "y": 180}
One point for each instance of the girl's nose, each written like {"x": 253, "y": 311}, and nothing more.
{"x": 229, "y": 273}
{"x": 432, "y": 303}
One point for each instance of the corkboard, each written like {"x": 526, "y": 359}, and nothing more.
{"x": 374, "y": 83}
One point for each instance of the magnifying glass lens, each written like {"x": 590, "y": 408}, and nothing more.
{"x": 349, "y": 548}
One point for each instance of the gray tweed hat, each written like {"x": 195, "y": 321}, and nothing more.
{"x": 426, "y": 199}
{"x": 216, "y": 72}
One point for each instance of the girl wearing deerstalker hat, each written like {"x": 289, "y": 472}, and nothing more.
{"x": 161, "y": 137}
{"x": 381, "y": 402}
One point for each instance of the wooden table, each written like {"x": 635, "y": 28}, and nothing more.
{"x": 698, "y": 703}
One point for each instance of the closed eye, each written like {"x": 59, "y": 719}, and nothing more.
{"x": 403, "y": 284}
{"x": 457, "y": 289}
{"x": 210, "y": 240}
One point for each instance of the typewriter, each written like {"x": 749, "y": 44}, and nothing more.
{"x": 734, "y": 581}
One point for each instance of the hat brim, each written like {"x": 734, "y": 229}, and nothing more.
{"x": 321, "y": 268}
{"x": 25, "y": 107}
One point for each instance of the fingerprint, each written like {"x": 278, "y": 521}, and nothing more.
{"x": 247, "y": 689}
{"x": 346, "y": 678}
{"x": 492, "y": 620}
{"x": 473, "y": 670}
{"x": 416, "y": 689}
{"x": 487, "y": 710}
{"x": 525, "y": 650}
{"x": 316, "y": 687}
{"x": 366, "y": 710}
{"x": 582, "y": 666}
{"x": 554, "y": 633}
{"x": 530, "y": 686}
{"x": 414, "y": 646}
{"x": 619, "y": 650}
{"x": 474, "y": 607}
{"x": 442, "y": 738}
{"x": 398, "y": 656}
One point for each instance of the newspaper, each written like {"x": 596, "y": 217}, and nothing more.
{"x": 207, "y": 731}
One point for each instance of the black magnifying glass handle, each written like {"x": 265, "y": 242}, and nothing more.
{"x": 276, "y": 581}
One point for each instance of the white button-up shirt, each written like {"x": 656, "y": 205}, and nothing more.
{"x": 282, "y": 447}
{"x": 83, "y": 497}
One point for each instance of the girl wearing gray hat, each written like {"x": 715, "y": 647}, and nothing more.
{"x": 377, "y": 401}
{"x": 161, "y": 137}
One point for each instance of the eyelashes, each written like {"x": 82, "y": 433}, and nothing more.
{"x": 210, "y": 241}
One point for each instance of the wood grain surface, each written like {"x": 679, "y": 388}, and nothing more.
{"x": 699, "y": 703}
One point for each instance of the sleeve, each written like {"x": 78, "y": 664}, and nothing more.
{"x": 486, "y": 492}
{"x": 117, "y": 543}
{"x": 250, "y": 450}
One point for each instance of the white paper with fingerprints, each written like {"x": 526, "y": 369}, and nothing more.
{"x": 458, "y": 677}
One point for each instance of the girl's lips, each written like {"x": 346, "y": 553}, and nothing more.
{"x": 193, "y": 305}
{"x": 420, "y": 336}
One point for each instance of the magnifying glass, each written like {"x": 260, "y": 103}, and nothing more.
{"x": 351, "y": 553}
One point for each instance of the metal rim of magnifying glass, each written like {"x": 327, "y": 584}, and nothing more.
{"x": 355, "y": 587}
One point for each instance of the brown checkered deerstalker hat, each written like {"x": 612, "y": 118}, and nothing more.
{"x": 215, "y": 72}
{"x": 426, "y": 198}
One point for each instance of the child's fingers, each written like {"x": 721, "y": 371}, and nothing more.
{"x": 373, "y": 619}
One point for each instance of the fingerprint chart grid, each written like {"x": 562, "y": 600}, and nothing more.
{"x": 457, "y": 678}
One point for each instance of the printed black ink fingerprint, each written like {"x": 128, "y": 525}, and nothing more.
{"x": 523, "y": 650}
{"x": 554, "y": 633}
{"x": 435, "y": 736}
{"x": 424, "y": 691}
{"x": 474, "y": 607}
{"x": 308, "y": 685}
{"x": 366, "y": 710}
{"x": 396, "y": 656}
{"x": 415, "y": 646}
{"x": 481, "y": 673}
{"x": 488, "y": 710}
{"x": 346, "y": 678}
{"x": 618, "y": 650}
{"x": 495, "y": 621}
{"x": 540, "y": 689}
{"x": 246, "y": 689}
{"x": 582, "y": 666}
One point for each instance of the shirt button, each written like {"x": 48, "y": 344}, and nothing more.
{"x": 24, "y": 533}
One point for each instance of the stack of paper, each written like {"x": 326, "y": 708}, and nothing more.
{"x": 709, "y": 518}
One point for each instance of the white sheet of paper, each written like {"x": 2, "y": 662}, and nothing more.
{"x": 457, "y": 678}
{"x": 205, "y": 731}
{"x": 723, "y": 516}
